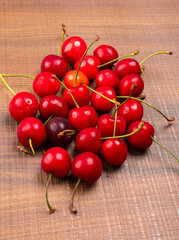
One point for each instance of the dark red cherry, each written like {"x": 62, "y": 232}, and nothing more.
{"x": 99, "y": 102}
{"x": 22, "y": 105}
{"x": 80, "y": 93}
{"x": 83, "y": 117}
{"x": 106, "y": 53}
{"x": 73, "y": 49}
{"x": 141, "y": 139}
{"x": 56, "y": 131}
{"x": 107, "y": 78}
{"x": 127, "y": 66}
{"x": 53, "y": 105}
{"x": 89, "y": 140}
{"x": 114, "y": 151}
{"x": 106, "y": 125}
{"x": 126, "y": 84}
{"x": 131, "y": 111}
{"x": 44, "y": 84}
{"x": 31, "y": 128}
{"x": 55, "y": 65}
{"x": 89, "y": 66}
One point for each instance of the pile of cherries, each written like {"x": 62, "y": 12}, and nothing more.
{"x": 93, "y": 117}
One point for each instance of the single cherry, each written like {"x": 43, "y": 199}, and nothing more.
{"x": 70, "y": 77}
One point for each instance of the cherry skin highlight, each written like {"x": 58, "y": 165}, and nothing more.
{"x": 31, "y": 128}
{"x": 54, "y": 64}
{"x": 23, "y": 105}
{"x": 114, "y": 151}
{"x": 70, "y": 76}
{"x": 73, "y": 49}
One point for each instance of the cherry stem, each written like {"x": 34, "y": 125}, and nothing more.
{"x": 154, "y": 54}
{"x": 73, "y": 210}
{"x": 43, "y": 150}
{"x": 4, "y": 81}
{"x": 17, "y": 75}
{"x": 142, "y": 70}
{"x": 96, "y": 39}
{"x": 68, "y": 131}
{"x": 164, "y": 148}
{"x": 115, "y": 120}
{"x": 63, "y": 35}
{"x": 168, "y": 119}
{"x": 54, "y": 76}
{"x": 52, "y": 209}
{"x": 21, "y": 149}
{"x": 51, "y": 116}
{"x": 140, "y": 126}
{"x": 128, "y": 55}
{"x": 31, "y": 147}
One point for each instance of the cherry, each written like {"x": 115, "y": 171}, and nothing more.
{"x": 106, "y": 125}
{"x": 83, "y": 117}
{"x": 80, "y": 93}
{"x": 88, "y": 167}
{"x": 53, "y": 105}
{"x": 70, "y": 77}
{"x": 131, "y": 111}
{"x": 31, "y": 133}
{"x": 106, "y": 53}
{"x": 126, "y": 84}
{"x": 114, "y": 151}
{"x": 73, "y": 49}
{"x": 107, "y": 78}
{"x": 44, "y": 84}
{"x": 89, "y": 140}
{"x": 55, "y": 161}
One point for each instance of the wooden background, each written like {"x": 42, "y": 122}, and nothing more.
{"x": 138, "y": 200}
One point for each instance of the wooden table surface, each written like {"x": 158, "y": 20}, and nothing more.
{"x": 138, "y": 200}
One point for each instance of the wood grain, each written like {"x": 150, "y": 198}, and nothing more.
{"x": 138, "y": 200}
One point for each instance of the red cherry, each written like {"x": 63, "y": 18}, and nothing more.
{"x": 99, "y": 102}
{"x": 89, "y": 66}
{"x": 56, "y": 160}
{"x": 70, "y": 76}
{"x": 114, "y": 151}
{"x": 141, "y": 139}
{"x": 127, "y": 82}
{"x": 107, "y": 78}
{"x": 106, "y": 125}
{"x": 83, "y": 117}
{"x": 131, "y": 111}
{"x": 80, "y": 93}
{"x": 89, "y": 140}
{"x": 55, "y": 65}
{"x": 44, "y": 84}
{"x": 127, "y": 66}
{"x": 73, "y": 49}
{"x": 23, "y": 105}
{"x": 53, "y": 105}
{"x": 31, "y": 128}
{"x": 106, "y": 53}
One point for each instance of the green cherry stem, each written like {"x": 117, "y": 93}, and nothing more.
{"x": 154, "y": 54}
{"x": 96, "y": 39}
{"x": 72, "y": 208}
{"x": 127, "y": 55}
{"x": 31, "y": 147}
{"x": 43, "y": 150}
{"x": 52, "y": 209}
{"x": 54, "y": 76}
{"x": 168, "y": 119}
{"x": 51, "y": 116}
{"x": 4, "y": 81}
{"x": 140, "y": 126}
{"x": 164, "y": 148}
{"x": 63, "y": 35}
{"x": 17, "y": 75}
{"x": 115, "y": 120}
{"x": 142, "y": 71}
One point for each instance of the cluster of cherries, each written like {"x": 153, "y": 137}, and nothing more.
{"x": 93, "y": 117}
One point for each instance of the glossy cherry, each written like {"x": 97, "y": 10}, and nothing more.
{"x": 53, "y": 105}
{"x": 131, "y": 111}
{"x": 83, "y": 117}
{"x": 73, "y": 49}
{"x": 127, "y": 82}
{"x": 89, "y": 140}
{"x": 44, "y": 84}
{"x": 107, "y": 78}
{"x": 114, "y": 151}
{"x": 106, "y": 125}
{"x": 106, "y": 53}
{"x": 70, "y": 77}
